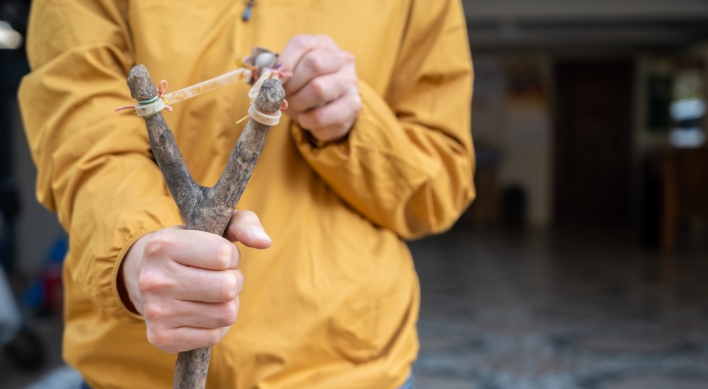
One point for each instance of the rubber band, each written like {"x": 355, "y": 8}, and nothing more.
{"x": 149, "y": 101}
{"x": 283, "y": 107}
{"x": 148, "y": 108}
{"x": 248, "y": 73}
{"x": 265, "y": 118}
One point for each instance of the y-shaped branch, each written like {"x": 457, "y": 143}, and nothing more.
{"x": 204, "y": 209}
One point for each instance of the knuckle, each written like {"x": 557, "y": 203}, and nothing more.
{"x": 214, "y": 337}
{"x": 348, "y": 57}
{"x": 240, "y": 279}
{"x": 356, "y": 104}
{"x": 236, "y": 254}
{"x": 229, "y": 287}
{"x": 303, "y": 40}
{"x": 319, "y": 116}
{"x": 325, "y": 38}
{"x": 244, "y": 218}
{"x": 149, "y": 281}
{"x": 315, "y": 61}
{"x": 246, "y": 214}
{"x": 158, "y": 338}
{"x": 157, "y": 244}
{"x": 297, "y": 39}
{"x": 319, "y": 89}
{"x": 154, "y": 312}
{"x": 229, "y": 314}
{"x": 224, "y": 254}
{"x": 352, "y": 81}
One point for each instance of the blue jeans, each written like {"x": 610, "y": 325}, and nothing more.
{"x": 408, "y": 384}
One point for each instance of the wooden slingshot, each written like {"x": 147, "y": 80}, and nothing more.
{"x": 204, "y": 209}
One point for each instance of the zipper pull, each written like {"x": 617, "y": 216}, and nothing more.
{"x": 247, "y": 13}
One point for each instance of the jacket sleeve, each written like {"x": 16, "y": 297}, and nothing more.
{"x": 94, "y": 166}
{"x": 407, "y": 164}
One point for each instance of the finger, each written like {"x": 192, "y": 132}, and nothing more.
{"x": 332, "y": 121}
{"x": 314, "y": 63}
{"x": 245, "y": 227}
{"x": 208, "y": 286}
{"x": 300, "y": 45}
{"x": 193, "y": 248}
{"x": 175, "y": 340}
{"x": 319, "y": 90}
{"x": 332, "y": 133}
{"x": 194, "y": 314}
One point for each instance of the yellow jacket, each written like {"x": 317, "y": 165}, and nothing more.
{"x": 334, "y": 302}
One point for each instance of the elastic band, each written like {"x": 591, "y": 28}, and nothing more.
{"x": 147, "y": 110}
{"x": 265, "y": 118}
{"x": 149, "y": 101}
{"x": 150, "y": 107}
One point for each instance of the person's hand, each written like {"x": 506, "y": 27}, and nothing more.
{"x": 186, "y": 283}
{"x": 323, "y": 96}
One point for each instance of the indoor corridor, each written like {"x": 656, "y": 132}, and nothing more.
{"x": 563, "y": 310}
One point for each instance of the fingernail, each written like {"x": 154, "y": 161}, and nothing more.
{"x": 260, "y": 234}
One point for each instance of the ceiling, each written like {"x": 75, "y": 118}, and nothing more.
{"x": 586, "y": 24}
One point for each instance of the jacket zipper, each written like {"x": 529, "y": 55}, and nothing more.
{"x": 248, "y": 11}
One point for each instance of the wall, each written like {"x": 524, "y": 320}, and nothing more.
{"x": 526, "y": 157}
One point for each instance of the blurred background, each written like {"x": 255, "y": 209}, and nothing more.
{"x": 582, "y": 262}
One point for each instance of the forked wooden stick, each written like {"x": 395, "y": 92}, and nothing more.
{"x": 204, "y": 209}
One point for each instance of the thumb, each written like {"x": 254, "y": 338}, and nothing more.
{"x": 245, "y": 227}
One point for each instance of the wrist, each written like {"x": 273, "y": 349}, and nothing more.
{"x": 128, "y": 274}
{"x": 311, "y": 137}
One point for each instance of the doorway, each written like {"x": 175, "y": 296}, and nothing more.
{"x": 593, "y": 142}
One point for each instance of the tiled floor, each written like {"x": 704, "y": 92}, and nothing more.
{"x": 542, "y": 311}
{"x": 566, "y": 311}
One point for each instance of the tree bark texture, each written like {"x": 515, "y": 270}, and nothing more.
{"x": 203, "y": 208}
